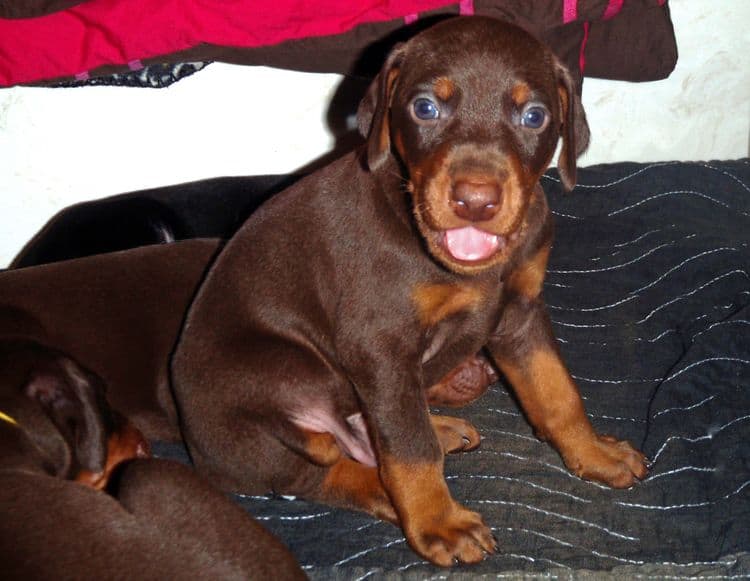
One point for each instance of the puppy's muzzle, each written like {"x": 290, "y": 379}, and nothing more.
{"x": 475, "y": 201}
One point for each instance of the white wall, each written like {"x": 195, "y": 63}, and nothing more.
{"x": 702, "y": 111}
{"x": 61, "y": 146}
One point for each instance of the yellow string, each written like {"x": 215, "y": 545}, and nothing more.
{"x": 7, "y": 418}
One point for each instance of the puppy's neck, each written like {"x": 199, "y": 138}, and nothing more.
{"x": 18, "y": 451}
{"x": 30, "y": 442}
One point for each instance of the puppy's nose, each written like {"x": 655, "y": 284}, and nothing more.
{"x": 475, "y": 201}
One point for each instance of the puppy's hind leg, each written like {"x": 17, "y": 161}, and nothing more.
{"x": 349, "y": 484}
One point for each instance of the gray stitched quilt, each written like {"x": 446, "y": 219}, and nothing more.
{"x": 648, "y": 288}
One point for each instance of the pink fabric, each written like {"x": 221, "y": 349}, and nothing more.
{"x": 582, "y": 54}
{"x": 113, "y": 32}
{"x": 570, "y": 10}
{"x": 466, "y": 7}
{"x": 613, "y": 9}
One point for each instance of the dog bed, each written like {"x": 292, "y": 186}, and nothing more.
{"x": 649, "y": 292}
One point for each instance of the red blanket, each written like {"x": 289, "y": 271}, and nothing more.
{"x": 46, "y": 40}
{"x": 94, "y": 33}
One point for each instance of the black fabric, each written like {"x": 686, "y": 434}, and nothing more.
{"x": 212, "y": 208}
{"x": 649, "y": 288}
{"x": 154, "y": 76}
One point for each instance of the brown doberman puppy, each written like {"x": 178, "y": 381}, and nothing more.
{"x": 307, "y": 358}
{"x": 59, "y": 443}
{"x": 55, "y": 420}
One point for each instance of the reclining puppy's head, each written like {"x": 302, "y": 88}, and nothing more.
{"x": 473, "y": 109}
{"x": 62, "y": 423}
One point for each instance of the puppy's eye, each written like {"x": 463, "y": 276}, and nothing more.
{"x": 425, "y": 110}
{"x": 534, "y": 117}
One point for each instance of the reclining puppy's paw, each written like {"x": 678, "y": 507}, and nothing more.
{"x": 610, "y": 461}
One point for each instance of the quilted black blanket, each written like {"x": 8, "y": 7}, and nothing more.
{"x": 648, "y": 287}
{"x": 649, "y": 291}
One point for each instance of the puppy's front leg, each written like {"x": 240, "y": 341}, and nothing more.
{"x": 410, "y": 463}
{"x": 525, "y": 350}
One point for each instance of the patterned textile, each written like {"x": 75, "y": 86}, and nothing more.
{"x": 649, "y": 290}
{"x": 153, "y": 77}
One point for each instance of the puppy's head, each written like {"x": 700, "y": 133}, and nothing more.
{"x": 473, "y": 109}
{"x": 61, "y": 409}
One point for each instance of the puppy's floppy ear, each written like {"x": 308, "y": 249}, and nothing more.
{"x": 575, "y": 128}
{"x": 74, "y": 400}
{"x": 372, "y": 115}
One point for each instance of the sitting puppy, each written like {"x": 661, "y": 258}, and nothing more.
{"x": 59, "y": 442}
{"x": 308, "y": 358}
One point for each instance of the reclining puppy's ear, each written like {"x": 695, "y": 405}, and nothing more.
{"x": 575, "y": 128}
{"x": 74, "y": 400}
{"x": 372, "y": 115}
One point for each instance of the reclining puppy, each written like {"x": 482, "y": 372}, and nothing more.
{"x": 59, "y": 441}
{"x": 308, "y": 357}
{"x": 118, "y": 315}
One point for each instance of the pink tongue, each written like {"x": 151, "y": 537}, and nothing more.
{"x": 470, "y": 243}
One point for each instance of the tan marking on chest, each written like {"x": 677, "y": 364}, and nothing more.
{"x": 528, "y": 278}
{"x": 435, "y": 302}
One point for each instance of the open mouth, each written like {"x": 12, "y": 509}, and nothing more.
{"x": 470, "y": 244}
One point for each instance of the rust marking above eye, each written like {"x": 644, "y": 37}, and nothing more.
{"x": 521, "y": 93}
{"x": 444, "y": 88}
{"x": 436, "y": 302}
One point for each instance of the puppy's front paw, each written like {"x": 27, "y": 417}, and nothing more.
{"x": 608, "y": 460}
{"x": 456, "y": 535}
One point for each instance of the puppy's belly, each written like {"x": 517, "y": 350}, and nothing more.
{"x": 350, "y": 431}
